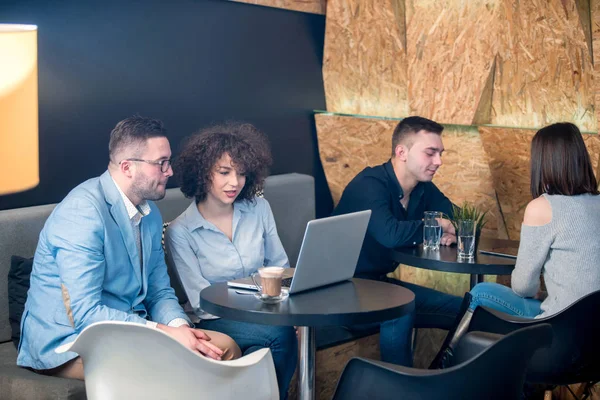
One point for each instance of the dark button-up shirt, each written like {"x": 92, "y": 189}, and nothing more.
{"x": 391, "y": 225}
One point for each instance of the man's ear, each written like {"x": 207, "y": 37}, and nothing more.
{"x": 126, "y": 168}
{"x": 401, "y": 152}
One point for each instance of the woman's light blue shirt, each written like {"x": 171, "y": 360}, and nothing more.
{"x": 203, "y": 254}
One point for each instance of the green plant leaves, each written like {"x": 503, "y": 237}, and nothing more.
{"x": 468, "y": 211}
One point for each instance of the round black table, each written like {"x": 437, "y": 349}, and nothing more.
{"x": 446, "y": 259}
{"x": 353, "y": 302}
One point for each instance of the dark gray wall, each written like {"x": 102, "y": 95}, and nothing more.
{"x": 189, "y": 63}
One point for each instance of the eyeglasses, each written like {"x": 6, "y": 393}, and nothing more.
{"x": 164, "y": 164}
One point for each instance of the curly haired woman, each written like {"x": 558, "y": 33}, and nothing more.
{"x": 228, "y": 232}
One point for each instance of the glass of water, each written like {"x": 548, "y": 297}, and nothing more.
{"x": 466, "y": 238}
{"x": 432, "y": 230}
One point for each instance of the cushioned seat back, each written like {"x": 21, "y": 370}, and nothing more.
{"x": 19, "y": 232}
{"x": 173, "y": 204}
{"x": 292, "y": 199}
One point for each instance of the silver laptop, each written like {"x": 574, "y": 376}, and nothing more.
{"x": 329, "y": 253}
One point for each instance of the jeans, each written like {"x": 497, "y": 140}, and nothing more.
{"x": 251, "y": 337}
{"x": 503, "y": 299}
{"x": 437, "y": 309}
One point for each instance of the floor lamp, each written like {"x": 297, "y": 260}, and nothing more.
{"x": 18, "y": 108}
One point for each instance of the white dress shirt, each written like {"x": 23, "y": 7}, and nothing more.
{"x": 135, "y": 215}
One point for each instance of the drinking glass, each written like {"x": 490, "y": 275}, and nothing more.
{"x": 432, "y": 230}
{"x": 466, "y": 238}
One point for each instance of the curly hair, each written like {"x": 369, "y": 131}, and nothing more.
{"x": 249, "y": 151}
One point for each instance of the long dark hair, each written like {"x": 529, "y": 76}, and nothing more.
{"x": 560, "y": 163}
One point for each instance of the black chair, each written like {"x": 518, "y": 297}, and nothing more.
{"x": 574, "y": 356}
{"x": 495, "y": 370}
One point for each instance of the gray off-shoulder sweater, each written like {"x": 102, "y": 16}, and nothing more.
{"x": 566, "y": 251}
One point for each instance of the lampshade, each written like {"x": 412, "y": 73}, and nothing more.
{"x": 18, "y": 108}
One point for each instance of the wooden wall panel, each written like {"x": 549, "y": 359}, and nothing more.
{"x": 446, "y": 282}
{"x": 508, "y": 150}
{"x": 347, "y": 145}
{"x": 506, "y": 62}
{"x": 451, "y": 50}
{"x": 364, "y": 63}
{"x": 584, "y": 12}
{"x": 309, "y": 6}
{"x": 544, "y": 66}
{"x": 595, "y": 28}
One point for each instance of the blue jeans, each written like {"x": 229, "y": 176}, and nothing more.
{"x": 435, "y": 309}
{"x": 251, "y": 337}
{"x": 503, "y": 299}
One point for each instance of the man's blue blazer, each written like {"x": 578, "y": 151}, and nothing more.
{"x": 87, "y": 269}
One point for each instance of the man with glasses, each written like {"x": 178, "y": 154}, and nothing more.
{"x": 99, "y": 258}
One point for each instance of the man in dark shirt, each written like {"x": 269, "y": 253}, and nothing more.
{"x": 398, "y": 193}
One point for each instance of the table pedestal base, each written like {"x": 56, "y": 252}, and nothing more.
{"x": 475, "y": 279}
{"x": 306, "y": 363}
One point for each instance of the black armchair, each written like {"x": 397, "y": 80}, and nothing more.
{"x": 574, "y": 356}
{"x": 494, "y": 371}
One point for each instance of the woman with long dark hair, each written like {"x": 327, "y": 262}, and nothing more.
{"x": 559, "y": 235}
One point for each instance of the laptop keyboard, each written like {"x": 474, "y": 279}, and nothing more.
{"x": 287, "y": 282}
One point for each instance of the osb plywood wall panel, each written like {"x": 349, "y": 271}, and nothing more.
{"x": 508, "y": 151}
{"x": 364, "y": 62}
{"x": 309, "y": 6}
{"x": 507, "y": 62}
{"x": 509, "y": 165}
{"x": 544, "y": 68}
{"x": 595, "y": 27}
{"x": 446, "y": 282}
{"x": 466, "y": 176}
{"x": 347, "y": 145}
{"x": 451, "y": 50}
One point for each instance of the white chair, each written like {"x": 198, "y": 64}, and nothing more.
{"x": 123, "y": 360}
